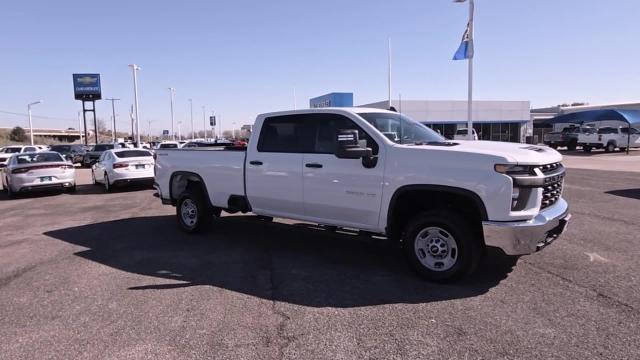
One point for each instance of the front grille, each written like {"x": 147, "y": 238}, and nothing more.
{"x": 552, "y": 188}
{"x": 549, "y": 167}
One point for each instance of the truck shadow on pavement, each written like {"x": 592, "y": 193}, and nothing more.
{"x": 275, "y": 261}
{"x": 628, "y": 193}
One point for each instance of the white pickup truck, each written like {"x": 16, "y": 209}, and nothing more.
{"x": 443, "y": 200}
{"x": 610, "y": 138}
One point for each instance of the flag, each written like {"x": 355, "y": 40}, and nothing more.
{"x": 465, "y": 50}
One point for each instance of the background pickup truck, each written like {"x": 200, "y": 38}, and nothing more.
{"x": 567, "y": 137}
{"x": 378, "y": 172}
{"x": 611, "y": 138}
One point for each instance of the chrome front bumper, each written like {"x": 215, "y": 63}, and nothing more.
{"x": 526, "y": 237}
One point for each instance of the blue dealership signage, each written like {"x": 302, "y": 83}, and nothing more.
{"x": 87, "y": 87}
{"x": 332, "y": 100}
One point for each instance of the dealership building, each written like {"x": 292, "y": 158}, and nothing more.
{"x": 492, "y": 120}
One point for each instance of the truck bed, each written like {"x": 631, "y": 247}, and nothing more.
{"x": 222, "y": 167}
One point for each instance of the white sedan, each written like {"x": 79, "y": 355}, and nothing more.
{"x": 123, "y": 166}
{"x": 35, "y": 171}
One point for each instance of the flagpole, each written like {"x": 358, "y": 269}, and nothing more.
{"x": 389, "y": 72}
{"x": 470, "y": 85}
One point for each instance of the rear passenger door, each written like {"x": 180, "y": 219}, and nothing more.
{"x": 274, "y": 170}
{"x": 340, "y": 191}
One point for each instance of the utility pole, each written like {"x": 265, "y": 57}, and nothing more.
{"x": 113, "y": 109}
{"x": 135, "y": 69}
{"x": 179, "y": 130}
{"x": 172, "y": 92}
{"x": 192, "y": 129}
{"x": 80, "y": 125}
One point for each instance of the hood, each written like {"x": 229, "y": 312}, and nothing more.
{"x": 525, "y": 154}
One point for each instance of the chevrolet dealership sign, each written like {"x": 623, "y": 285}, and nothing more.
{"x": 87, "y": 87}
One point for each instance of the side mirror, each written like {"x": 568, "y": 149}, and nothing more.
{"x": 348, "y": 146}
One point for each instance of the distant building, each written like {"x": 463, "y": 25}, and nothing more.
{"x": 492, "y": 120}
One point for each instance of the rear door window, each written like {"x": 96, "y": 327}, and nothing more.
{"x": 286, "y": 134}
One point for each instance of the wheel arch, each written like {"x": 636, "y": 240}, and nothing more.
{"x": 408, "y": 200}
{"x": 180, "y": 181}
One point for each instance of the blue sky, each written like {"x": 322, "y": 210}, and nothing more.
{"x": 241, "y": 58}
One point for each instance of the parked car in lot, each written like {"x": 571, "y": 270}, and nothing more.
{"x": 93, "y": 154}
{"x": 588, "y": 138}
{"x": 123, "y": 166}
{"x": 34, "y": 171}
{"x": 169, "y": 145}
{"x": 567, "y": 137}
{"x": 217, "y": 143}
{"x": 7, "y": 151}
{"x": 443, "y": 201}
{"x": 72, "y": 152}
{"x": 611, "y": 138}
{"x": 461, "y": 134}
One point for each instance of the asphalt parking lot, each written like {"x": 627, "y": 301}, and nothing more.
{"x": 95, "y": 275}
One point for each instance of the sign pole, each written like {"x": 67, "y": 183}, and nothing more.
{"x": 84, "y": 118}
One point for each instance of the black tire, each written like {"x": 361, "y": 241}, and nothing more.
{"x": 107, "y": 186}
{"x": 192, "y": 212}
{"x": 572, "y": 146}
{"x": 10, "y": 193}
{"x": 458, "y": 252}
{"x": 553, "y": 146}
{"x": 71, "y": 190}
{"x": 586, "y": 149}
{"x": 623, "y": 149}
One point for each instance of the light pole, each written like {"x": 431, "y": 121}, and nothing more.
{"x": 172, "y": 92}
{"x": 135, "y": 69}
{"x": 30, "y": 121}
{"x": 149, "y": 133}
{"x": 204, "y": 122}
{"x": 192, "y": 129}
{"x": 179, "y": 130}
{"x": 113, "y": 109}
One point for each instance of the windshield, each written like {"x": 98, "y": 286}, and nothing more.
{"x": 103, "y": 147}
{"x": 401, "y": 129}
{"x": 168, "y": 146}
{"x": 131, "y": 153}
{"x": 38, "y": 158}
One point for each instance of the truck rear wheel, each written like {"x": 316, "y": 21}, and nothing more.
{"x": 192, "y": 212}
{"x": 611, "y": 147}
{"x": 586, "y": 148}
{"x": 572, "y": 146}
{"x": 440, "y": 246}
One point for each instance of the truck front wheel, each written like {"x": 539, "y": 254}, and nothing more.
{"x": 440, "y": 246}
{"x": 193, "y": 213}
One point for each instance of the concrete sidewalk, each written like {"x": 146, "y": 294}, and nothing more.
{"x": 599, "y": 160}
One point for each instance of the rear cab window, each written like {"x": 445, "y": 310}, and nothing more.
{"x": 131, "y": 153}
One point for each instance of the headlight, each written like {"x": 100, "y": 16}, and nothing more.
{"x": 512, "y": 169}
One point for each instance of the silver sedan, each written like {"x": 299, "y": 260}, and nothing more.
{"x": 34, "y": 171}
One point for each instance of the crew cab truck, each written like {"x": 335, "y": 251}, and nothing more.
{"x": 610, "y": 138}
{"x": 444, "y": 201}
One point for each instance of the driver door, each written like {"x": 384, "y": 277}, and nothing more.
{"x": 337, "y": 191}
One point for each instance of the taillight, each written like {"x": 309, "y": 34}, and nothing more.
{"x": 120, "y": 165}
{"x": 20, "y": 171}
